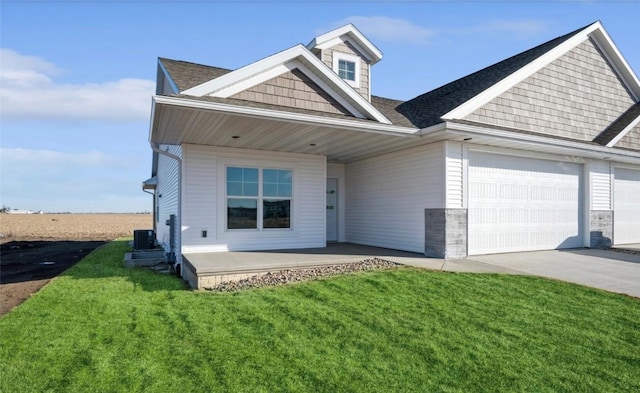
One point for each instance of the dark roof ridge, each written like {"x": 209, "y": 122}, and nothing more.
{"x": 616, "y": 127}
{"x": 428, "y": 108}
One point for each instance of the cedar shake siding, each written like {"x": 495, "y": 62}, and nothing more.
{"x": 576, "y": 96}
{"x": 631, "y": 140}
{"x": 326, "y": 56}
{"x": 295, "y": 90}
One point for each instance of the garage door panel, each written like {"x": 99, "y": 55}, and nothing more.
{"x": 626, "y": 204}
{"x": 522, "y": 204}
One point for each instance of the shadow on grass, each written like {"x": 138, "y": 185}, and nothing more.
{"x": 107, "y": 262}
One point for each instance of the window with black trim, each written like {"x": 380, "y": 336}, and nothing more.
{"x": 259, "y": 192}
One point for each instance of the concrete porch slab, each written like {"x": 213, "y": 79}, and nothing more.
{"x": 202, "y": 270}
{"x": 334, "y": 253}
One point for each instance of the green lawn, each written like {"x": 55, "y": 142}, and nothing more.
{"x": 103, "y": 328}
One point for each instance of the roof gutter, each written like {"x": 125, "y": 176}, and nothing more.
{"x": 367, "y": 126}
{"x": 577, "y": 148}
{"x": 156, "y": 148}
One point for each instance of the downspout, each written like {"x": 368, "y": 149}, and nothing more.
{"x": 156, "y": 148}
{"x": 153, "y": 213}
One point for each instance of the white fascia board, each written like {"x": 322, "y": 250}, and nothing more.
{"x": 365, "y": 106}
{"x": 168, "y": 77}
{"x": 578, "y": 148}
{"x": 279, "y": 70}
{"x": 523, "y": 73}
{"x": 606, "y": 45}
{"x": 152, "y": 118}
{"x": 233, "y": 77}
{"x": 354, "y": 36}
{"x": 624, "y": 132}
{"x": 327, "y": 89}
{"x": 272, "y": 66}
{"x": 379, "y": 128}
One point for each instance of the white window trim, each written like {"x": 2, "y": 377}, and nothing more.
{"x": 260, "y": 198}
{"x": 337, "y": 56}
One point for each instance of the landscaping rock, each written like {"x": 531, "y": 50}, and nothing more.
{"x": 287, "y": 276}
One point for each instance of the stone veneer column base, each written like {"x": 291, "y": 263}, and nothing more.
{"x": 445, "y": 233}
{"x": 600, "y": 228}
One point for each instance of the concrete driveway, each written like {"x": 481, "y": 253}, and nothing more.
{"x": 613, "y": 271}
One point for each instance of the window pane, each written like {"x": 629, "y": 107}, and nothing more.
{"x": 242, "y": 181}
{"x": 284, "y": 176}
{"x": 250, "y": 189}
{"x": 234, "y": 188}
{"x": 276, "y": 183}
{"x": 250, "y": 174}
{"x": 284, "y": 190}
{"x": 276, "y": 214}
{"x": 270, "y": 175}
{"x": 242, "y": 213}
{"x": 347, "y": 70}
{"x": 234, "y": 174}
{"x": 270, "y": 190}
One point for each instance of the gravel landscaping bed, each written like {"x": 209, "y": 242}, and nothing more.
{"x": 287, "y": 276}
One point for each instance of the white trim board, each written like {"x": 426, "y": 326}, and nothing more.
{"x": 272, "y": 66}
{"x": 595, "y": 31}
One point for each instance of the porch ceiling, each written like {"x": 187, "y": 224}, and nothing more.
{"x": 344, "y": 142}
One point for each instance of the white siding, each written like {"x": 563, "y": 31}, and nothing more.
{"x": 600, "y": 181}
{"x": 626, "y": 215}
{"x": 454, "y": 173}
{"x": 387, "y": 196}
{"x": 204, "y": 200}
{"x": 167, "y": 196}
{"x": 338, "y": 171}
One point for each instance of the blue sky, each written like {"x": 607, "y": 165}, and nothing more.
{"x": 76, "y": 77}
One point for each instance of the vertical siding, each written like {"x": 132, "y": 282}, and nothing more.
{"x": 600, "y": 182}
{"x": 204, "y": 200}
{"x": 577, "y": 96}
{"x": 387, "y": 195}
{"x": 168, "y": 178}
{"x": 454, "y": 173}
{"x": 199, "y": 196}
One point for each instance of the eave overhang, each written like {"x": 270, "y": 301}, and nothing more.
{"x": 179, "y": 120}
{"x": 570, "y": 149}
{"x": 150, "y": 184}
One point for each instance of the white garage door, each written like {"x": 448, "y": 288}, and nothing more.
{"x": 523, "y": 204}
{"x": 626, "y": 206}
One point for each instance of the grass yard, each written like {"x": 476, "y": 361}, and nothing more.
{"x": 103, "y": 328}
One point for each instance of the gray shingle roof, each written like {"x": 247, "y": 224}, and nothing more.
{"x": 427, "y": 109}
{"x": 618, "y": 125}
{"x": 420, "y": 112}
{"x": 187, "y": 75}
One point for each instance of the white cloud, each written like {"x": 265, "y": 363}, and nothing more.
{"x": 90, "y": 181}
{"x": 519, "y": 28}
{"x": 28, "y": 90}
{"x": 383, "y": 28}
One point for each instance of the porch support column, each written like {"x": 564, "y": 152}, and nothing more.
{"x": 445, "y": 233}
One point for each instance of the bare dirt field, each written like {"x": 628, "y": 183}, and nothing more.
{"x": 34, "y": 248}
